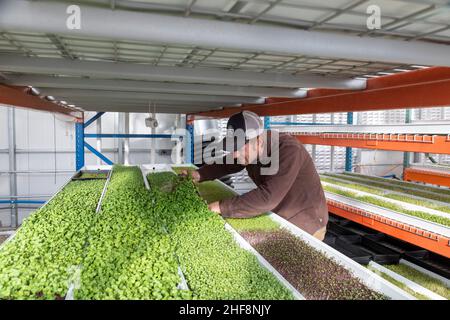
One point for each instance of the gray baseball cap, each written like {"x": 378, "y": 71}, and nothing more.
{"x": 241, "y": 128}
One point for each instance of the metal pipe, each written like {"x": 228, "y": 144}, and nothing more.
{"x": 110, "y": 94}
{"x": 44, "y": 81}
{"x": 132, "y": 135}
{"x": 48, "y": 17}
{"x": 106, "y": 150}
{"x": 97, "y": 116}
{"x": 35, "y": 172}
{"x": 26, "y": 197}
{"x": 142, "y": 72}
{"x": 21, "y": 202}
{"x": 153, "y": 142}
{"x": 12, "y": 163}
{"x": 98, "y": 154}
{"x": 18, "y": 207}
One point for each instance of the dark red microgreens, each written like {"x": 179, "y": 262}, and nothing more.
{"x": 309, "y": 271}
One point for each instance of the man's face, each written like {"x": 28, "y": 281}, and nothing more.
{"x": 248, "y": 153}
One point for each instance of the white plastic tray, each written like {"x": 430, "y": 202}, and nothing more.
{"x": 239, "y": 240}
{"x": 405, "y": 281}
{"x": 367, "y": 277}
{"x": 387, "y": 191}
{"x": 400, "y": 217}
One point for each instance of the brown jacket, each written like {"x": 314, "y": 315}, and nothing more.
{"x": 295, "y": 192}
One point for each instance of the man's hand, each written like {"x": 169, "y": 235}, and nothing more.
{"x": 214, "y": 207}
{"x": 193, "y": 174}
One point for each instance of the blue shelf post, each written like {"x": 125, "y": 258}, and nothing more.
{"x": 79, "y": 145}
{"x": 348, "y": 150}
{"x": 189, "y": 146}
{"x": 267, "y": 122}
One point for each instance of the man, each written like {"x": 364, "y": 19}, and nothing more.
{"x": 293, "y": 192}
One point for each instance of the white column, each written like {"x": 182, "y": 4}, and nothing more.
{"x": 153, "y": 142}
{"x": 12, "y": 164}
{"x": 120, "y": 140}
{"x": 127, "y": 140}
{"x": 178, "y": 144}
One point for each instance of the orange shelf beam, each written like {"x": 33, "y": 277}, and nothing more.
{"x": 411, "y": 234}
{"x": 414, "y": 89}
{"x": 391, "y": 142}
{"x": 22, "y": 98}
{"x": 439, "y": 178}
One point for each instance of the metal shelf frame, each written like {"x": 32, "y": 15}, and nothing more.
{"x": 380, "y": 141}
{"x": 407, "y": 282}
{"x": 81, "y": 144}
{"x": 426, "y": 235}
{"x": 431, "y": 176}
{"x": 405, "y": 205}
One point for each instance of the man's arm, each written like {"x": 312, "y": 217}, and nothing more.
{"x": 216, "y": 171}
{"x": 269, "y": 194}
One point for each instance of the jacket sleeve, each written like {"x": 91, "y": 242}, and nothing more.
{"x": 216, "y": 171}
{"x": 270, "y": 193}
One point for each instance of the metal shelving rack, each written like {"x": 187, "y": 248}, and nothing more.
{"x": 81, "y": 144}
{"x": 433, "y": 175}
{"x": 430, "y": 236}
{"x": 425, "y": 138}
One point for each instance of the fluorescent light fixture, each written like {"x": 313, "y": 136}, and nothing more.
{"x": 34, "y": 91}
{"x": 401, "y": 70}
{"x": 301, "y": 93}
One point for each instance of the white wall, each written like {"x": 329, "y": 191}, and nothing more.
{"x": 4, "y": 164}
{"x": 45, "y": 141}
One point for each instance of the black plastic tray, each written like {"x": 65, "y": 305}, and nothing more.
{"x": 378, "y": 252}
{"x": 392, "y": 243}
{"x": 356, "y": 228}
{"x": 338, "y": 230}
{"x": 430, "y": 261}
{"x": 351, "y": 251}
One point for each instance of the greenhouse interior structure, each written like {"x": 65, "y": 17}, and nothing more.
{"x": 106, "y": 114}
